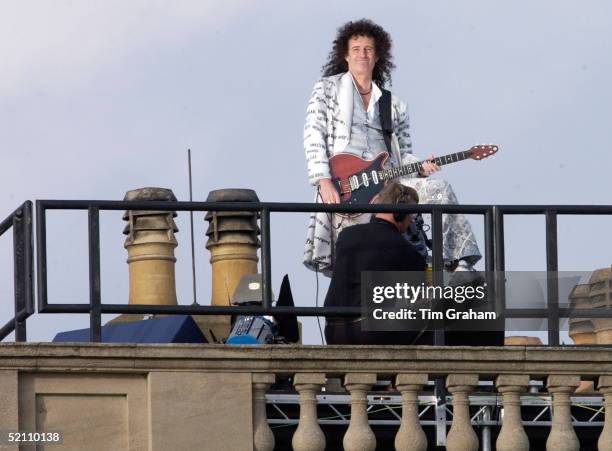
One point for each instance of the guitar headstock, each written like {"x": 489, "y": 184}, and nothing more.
{"x": 482, "y": 151}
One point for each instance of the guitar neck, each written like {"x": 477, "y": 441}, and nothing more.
{"x": 412, "y": 168}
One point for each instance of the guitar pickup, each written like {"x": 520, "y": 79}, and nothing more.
{"x": 366, "y": 180}
{"x": 375, "y": 177}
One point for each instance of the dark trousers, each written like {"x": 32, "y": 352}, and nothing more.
{"x": 343, "y": 332}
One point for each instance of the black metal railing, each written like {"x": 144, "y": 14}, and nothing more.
{"x": 21, "y": 223}
{"x": 553, "y": 313}
{"x": 96, "y": 308}
{"x": 494, "y": 256}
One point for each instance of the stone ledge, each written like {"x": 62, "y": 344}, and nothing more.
{"x": 434, "y": 360}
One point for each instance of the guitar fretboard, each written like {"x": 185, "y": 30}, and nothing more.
{"x": 388, "y": 174}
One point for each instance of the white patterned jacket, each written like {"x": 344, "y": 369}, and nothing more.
{"x": 328, "y": 125}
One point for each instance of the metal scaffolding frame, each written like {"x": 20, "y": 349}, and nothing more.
{"x": 486, "y": 409}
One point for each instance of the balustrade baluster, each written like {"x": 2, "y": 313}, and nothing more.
{"x": 605, "y": 438}
{"x": 308, "y": 435}
{"x": 562, "y": 436}
{"x": 512, "y": 436}
{"x": 359, "y": 435}
{"x": 263, "y": 439}
{"x": 461, "y": 436}
{"x": 410, "y": 436}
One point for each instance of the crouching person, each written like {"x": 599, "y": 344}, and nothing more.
{"x": 375, "y": 246}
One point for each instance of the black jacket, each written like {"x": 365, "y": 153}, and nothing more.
{"x": 375, "y": 246}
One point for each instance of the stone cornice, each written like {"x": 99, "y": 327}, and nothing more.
{"x": 92, "y": 357}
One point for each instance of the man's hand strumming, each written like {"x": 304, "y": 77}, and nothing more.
{"x": 328, "y": 192}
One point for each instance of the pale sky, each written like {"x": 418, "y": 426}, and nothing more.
{"x": 100, "y": 97}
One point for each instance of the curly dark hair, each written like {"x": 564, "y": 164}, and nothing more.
{"x": 336, "y": 62}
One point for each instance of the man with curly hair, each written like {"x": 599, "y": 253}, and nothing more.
{"x": 343, "y": 115}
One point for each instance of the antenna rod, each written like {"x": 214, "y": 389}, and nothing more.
{"x": 193, "y": 270}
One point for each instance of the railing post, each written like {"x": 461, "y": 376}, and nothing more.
{"x": 437, "y": 260}
{"x": 22, "y": 259}
{"x": 95, "y": 307}
{"x": 19, "y": 276}
{"x": 461, "y": 436}
{"x": 263, "y": 438}
{"x": 41, "y": 255}
{"x": 489, "y": 232}
{"x": 498, "y": 225}
{"x": 439, "y": 339}
{"x": 266, "y": 264}
{"x": 308, "y": 435}
{"x": 512, "y": 436}
{"x": 410, "y": 436}
{"x": 359, "y": 435}
{"x": 499, "y": 264}
{"x": 605, "y": 438}
{"x": 562, "y": 436}
{"x": 552, "y": 268}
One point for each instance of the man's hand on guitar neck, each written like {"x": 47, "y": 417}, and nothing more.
{"x": 428, "y": 167}
{"x": 328, "y": 192}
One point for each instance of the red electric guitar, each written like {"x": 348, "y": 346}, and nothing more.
{"x": 358, "y": 181}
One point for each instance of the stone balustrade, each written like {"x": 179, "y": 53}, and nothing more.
{"x": 461, "y": 436}
{"x": 218, "y": 392}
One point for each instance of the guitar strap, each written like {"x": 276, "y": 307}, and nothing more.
{"x": 384, "y": 108}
